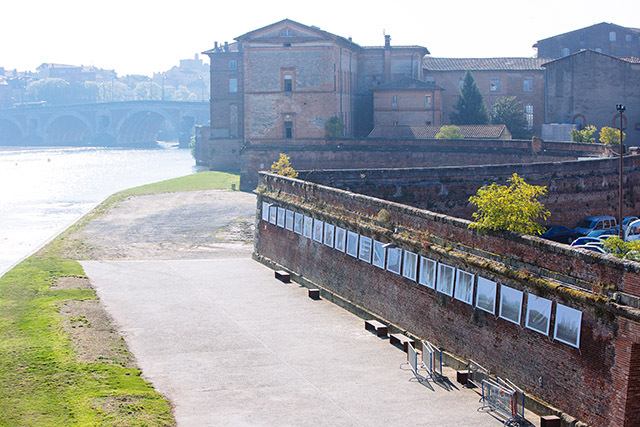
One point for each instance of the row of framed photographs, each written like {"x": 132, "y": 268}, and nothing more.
{"x": 438, "y": 276}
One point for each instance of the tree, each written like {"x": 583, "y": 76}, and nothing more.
{"x": 112, "y": 91}
{"x": 334, "y": 127}
{"x": 512, "y": 207}
{"x": 283, "y": 167}
{"x": 470, "y": 108}
{"x": 52, "y": 91}
{"x": 584, "y": 135}
{"x": 621, "y": 249}
{"x": 609, "y": 136}
{"x": 147, "y": 91}
{"x": 183, "y": 94}
{"x": 449, "y": 132}
{"x": 508, "y": 111}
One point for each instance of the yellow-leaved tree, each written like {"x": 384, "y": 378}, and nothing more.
{"x": 512, "y": 207}
{"x": 283, "y": 167}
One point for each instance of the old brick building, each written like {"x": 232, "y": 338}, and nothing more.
{"x": 407, "y": 101}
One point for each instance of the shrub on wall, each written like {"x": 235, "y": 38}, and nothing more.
{"x": 449, "y": 132}
{"x": 283, "y": 167}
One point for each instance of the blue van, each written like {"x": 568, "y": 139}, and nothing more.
{"x": 607, "y": 224}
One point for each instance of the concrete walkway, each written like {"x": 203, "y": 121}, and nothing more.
{"x": 230, "y": 345}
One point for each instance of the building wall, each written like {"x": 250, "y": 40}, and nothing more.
{"x": 411, "y": 108}
{"x": 627, "y": 42}
{"x": 593, "y": 382}
{"x": 511, "y": 84}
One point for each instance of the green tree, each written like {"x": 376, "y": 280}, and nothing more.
{"x": 283, "y": 167}
{"x": 112, "y": 91}
{"x": 52, "y": 91}
{"x": 183, "y": 94}
{"x": 621, "y": 249}
{"x": 512, "y": 207}
{"x": 508, "y": 111}
{"x": 449, "y": 132}
{"x": 147, "y": 91}
{"x": 584, "y": 135}
{"x": 609, "y": 136}
{"x": 334, "y": 127}
{"x": 470, "y": 108}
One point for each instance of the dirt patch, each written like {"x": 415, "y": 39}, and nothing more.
{"x": 71, "y": 282}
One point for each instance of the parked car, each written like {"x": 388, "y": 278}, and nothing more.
{"x": 626, "y": 220}
{"x": 632, "y": 232}
{"x": 607, "y": 223}
{"x": 592, "y": 248}
{"x": 559, "y": 233}
{"x": 580, "y": 241}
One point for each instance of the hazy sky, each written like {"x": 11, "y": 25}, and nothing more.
{"x": 142, "y": 37}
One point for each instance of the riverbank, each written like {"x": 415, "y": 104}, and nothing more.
{"x": 62, "y": 361}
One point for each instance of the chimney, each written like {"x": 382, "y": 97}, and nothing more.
{"x": 226, "y": 46}
{"x": 387, "y": 59}
{"x": 387, "y": 41}
{"x": 215, "y": 45}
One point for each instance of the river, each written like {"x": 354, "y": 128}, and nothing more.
{"x": 44, "y": 190}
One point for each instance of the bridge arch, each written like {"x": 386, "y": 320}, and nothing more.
{"x": 68, "y": 128}
{"x": 141, "y": 126}
{"x": 11, "y": 132}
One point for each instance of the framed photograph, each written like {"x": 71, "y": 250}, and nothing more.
{"x": 281, "y": 217}
{"x": 365, "y": 249}
{"x": 307, "y": 229}
{"x": 464, "y": 287}
{"x": 317, "y": 230}
{"x": 289, "y": 221}
{"x": 328, "y": 234}
{"x": 340, "y": 242}
{"x": 568, "y": 325}
{"x": 486, "y": 296}
{"x": 410, "y": 265}
{"x": 273, "y": 214}
{"x": 352, "y": 244}
{"x": 379, "y": 252}
{"x": 394, "y": 259}
{"x": 510, "y": 304}
{"x": 265, "y": 211}
{"x": 427, "y": 272}
{"x": 297, "y": 223}
{"x": 446, "y": 276}
{"x": 538, "y": 314}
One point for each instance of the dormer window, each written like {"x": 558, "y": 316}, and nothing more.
{"x": 287, "y": 32}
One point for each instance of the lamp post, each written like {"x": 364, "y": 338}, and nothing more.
{"x": 620, "y": 109}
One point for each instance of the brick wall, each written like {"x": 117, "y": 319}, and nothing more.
{"x": 594, "y": 383}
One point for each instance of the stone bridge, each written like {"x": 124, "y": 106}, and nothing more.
{"x": 122, "y": 124}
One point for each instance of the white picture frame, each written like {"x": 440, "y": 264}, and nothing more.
{"x": 340, "y": 242}
{"x": 273, "y": 214}
{"x": 318, "y": 227}
{"x": 379, "y": 252}
{"x": 427, "y": 273}
{"x": 510, "y": 304}
{"x": 410, "y": 265}
{"x": 298, "y": 223}
{"x": 289, "y": 220}
{"x": 568, "y": 325}
{"x": 281, "y": 217}
{"x": 364, "y": 254}
{"x": 329, "y": 234}
{"x": 486, "y": 295}
{"x": 446, "y": 277}
{"x": 464, "y": 286}
{"x": 538, "y": 314}
{"x": 265, "y": 211}
{"x": 307, "y": 230}
{"x": 394, "y": 260}
{"x": 352, "y": 244}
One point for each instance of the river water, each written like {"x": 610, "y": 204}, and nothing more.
{"x": 44, "y": 190}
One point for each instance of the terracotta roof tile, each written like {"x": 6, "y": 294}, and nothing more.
{"x": 489, "y": 64}
{"x": 430, "y": 132}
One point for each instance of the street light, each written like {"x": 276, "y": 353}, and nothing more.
{"x": 620, "y": 109}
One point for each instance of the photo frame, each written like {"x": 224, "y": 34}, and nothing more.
{"x": 410, "y": 265}
{"x": 328, "y": 234}
{"x": 273, "y": 214}
{"x": 298, "y": 222}
{"x": 265, "y": 211}
{"x": 464, "y": 287}
{"x": 446, "y": 276}
{"x": 538, "y": 314}
{"x": 486, "y": 295}
{"x": 427, "y": 273}
{"x": 352, "y": 244}
{"x": 318, "y": 226}
{"x": 510, "y": 304}
{"x": 307, "y": 230}
{"x": 281, "y": 217}
{"x": 289, "y": 220}
{"x": 365, "y": 249}
{"x": 394, "y": 260}
{"x": 379, "y": 252}
{"x": 568, "y": 325}
{"x": 340, "y": 242}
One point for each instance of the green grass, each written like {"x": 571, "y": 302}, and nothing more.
{"x": 41, "y": 382}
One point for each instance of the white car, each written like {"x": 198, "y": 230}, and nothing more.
{"x": 632, "y": 232}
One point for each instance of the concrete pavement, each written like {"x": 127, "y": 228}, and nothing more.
{"x": 229, "y": 344}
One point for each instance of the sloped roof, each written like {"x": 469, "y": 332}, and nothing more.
{"x": 630, "y": 59}
{"x": 481, "y": 64}
{"x": 587, "y": 28}
{"x": 407, "y": 83}
{"x": 430, "y": 132}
